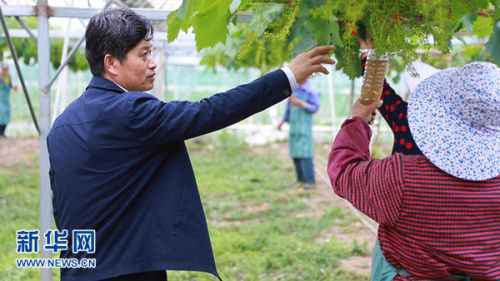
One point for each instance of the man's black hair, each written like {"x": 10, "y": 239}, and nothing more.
{"x": 114, "y": 32}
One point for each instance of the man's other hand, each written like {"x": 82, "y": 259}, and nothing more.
{"x": 305, "y": 64}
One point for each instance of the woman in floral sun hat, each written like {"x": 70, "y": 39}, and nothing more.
{"x": 439, "y": 213}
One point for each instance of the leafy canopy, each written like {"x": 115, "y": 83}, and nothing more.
{"x": 264, "y": 34}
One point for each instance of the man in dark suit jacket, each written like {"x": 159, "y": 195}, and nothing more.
{"x": 119, "y": 164}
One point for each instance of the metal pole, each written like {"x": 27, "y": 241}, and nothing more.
{"x": 25, "y": 26}
{"x": 71, "y": 54}
{"x": 166, "y": 73}
{"x": 22, "y": 23}
{"x": 44, "y": 67}
{"x": 18, "y": 69}
{"x": 62, "y": 84}
{"x": 351, "y": 95}
{"x": 65, "y": 63}
{"x": 159, "y": 84}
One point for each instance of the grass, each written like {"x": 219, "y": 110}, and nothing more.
{"x": 18, "y": 210}
{"x": 261, "y": 228}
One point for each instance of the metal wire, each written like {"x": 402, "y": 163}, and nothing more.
{"x": 18, "y": 69}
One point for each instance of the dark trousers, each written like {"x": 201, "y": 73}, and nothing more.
{"x": 141, "y": 276}
{"x": 2, "y": 130}
{"x": 304, "y": 168}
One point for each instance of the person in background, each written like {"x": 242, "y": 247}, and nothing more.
{"x": 300, "y": 108}
{"x": 5, "y": 89}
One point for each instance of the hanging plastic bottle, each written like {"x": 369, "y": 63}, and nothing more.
{"x": 373, "y": 79}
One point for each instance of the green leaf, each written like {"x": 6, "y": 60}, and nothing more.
{"x": 335, "y": 34}
{"x": 472, "y": 5}
{"x": 400, "y": 28}
{"x": 497, "y": 9}
{"x": 321, "y": 31}
{"x": 458, "y": 7}
{"x": 187, "y": 11}
{"x": 210, "y": 24}
{"x": 303, "y": 40}
{"x": 348, "y": 62}
{"x": 483, "y": 27}
{"x": 173, "y": 26}
{"x": 182, "y": 18}
{"x": 493, "y": 45}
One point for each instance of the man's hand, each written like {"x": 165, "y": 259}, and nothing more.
{"x": 305, "y": 64}
{"x": 365, "y": 112}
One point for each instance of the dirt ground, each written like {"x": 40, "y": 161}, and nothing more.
{"x": 323, "y": 199}
{"x": 15, "y": 151}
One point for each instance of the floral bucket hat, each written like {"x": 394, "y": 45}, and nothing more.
{"x": 454, "y": 117}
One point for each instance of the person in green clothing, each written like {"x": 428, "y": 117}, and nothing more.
{"x": 5, "y": 89}
{"x": 300, "y": 108}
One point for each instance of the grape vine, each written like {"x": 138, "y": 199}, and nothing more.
{"x": 277, "y": 30}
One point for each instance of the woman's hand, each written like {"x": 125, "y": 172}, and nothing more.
{"x": 365, "y": 112}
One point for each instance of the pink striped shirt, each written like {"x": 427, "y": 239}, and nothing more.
{"x": 432, "y": 224}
